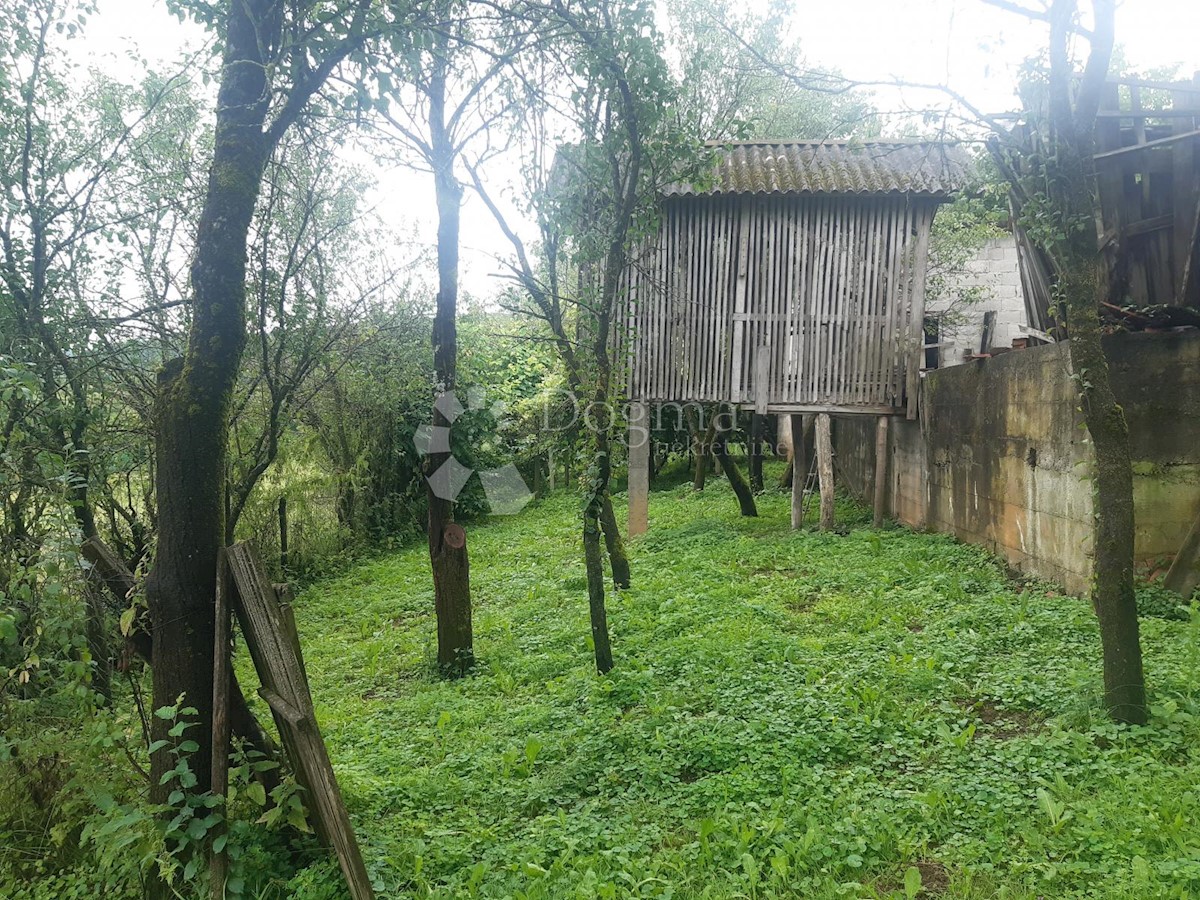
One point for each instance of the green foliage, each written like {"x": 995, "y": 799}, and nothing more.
{"x": 792, "y": 714}
{"x": 960, "y": 229}
{"x": 76, "y": 823}
{"x": 727, "y": 91}
{"x": 1158, "y": 602}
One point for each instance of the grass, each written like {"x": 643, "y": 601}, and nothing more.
{"x": 791, "y": 715}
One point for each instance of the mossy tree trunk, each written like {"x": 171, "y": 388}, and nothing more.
{"x": 195, "y": 391}
{"x": 1054, "y": 183}
{"x": 448, "y": 558}
{"x": 191, "y": 414}
{"x": 618, "y": 558}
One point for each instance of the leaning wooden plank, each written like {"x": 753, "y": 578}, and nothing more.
{"x": 1149, "y": 145}
{"x": 1189, "y": 268}
{"x": 218, "y": 869}
{"x": 1184, "y": 575}
{"x": 275, "y": 651}
{"x": 1185, "y": 189}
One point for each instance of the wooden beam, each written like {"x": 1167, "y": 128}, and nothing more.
{"x": 1189, "y": 87}
{"x": 639, "y": 467}
{"x": 881, "y": 469}
{"x": 1035, "y": 333}
{"x": 1149, "y": 145}
{"x": 1174, "y": 113}
{"x": 865, "y": 409}
{"x": 825, "y": 469}
{"x": 1145, "y": 226}
{"x": 762, "y": 376}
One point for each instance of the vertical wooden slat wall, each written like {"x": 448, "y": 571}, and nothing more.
{"x": 830, "y": 288}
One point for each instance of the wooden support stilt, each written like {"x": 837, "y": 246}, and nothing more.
{"x": 799, "y": 469}
{"x": 825, "y": 469}
{"x": 639, "y": 467}
{"x": 881, "y": 469}
{"x": 550, "y": 468}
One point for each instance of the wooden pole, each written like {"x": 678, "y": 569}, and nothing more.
{"x": 825, "y": 469}
{"x": 799, "y": 469}
{"x": 639, "y": 467}
{"x": 222, "y": 676}
{"x": 283, "y": 533}
{"x": 550, "y": 467}
{"x": 756, "y": 452}
{"x": 881, "y": 466}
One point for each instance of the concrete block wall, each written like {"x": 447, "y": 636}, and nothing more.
{"x": 998, "y": 456}
{"x": 995, "y": 269}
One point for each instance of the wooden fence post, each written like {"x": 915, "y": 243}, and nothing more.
{"x": 825, "y": 469}
{"x": 881, "y": 466}
{"x": 639, "y": 467}
{"x": 799, "y": 469}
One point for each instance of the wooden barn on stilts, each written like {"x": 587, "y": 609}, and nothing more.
{"x": 792, "y": 281}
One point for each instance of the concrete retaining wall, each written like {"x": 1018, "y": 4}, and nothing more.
{"x": 999, "y": 457}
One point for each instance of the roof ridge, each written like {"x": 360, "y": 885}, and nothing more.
{"x": 902, "y": 142}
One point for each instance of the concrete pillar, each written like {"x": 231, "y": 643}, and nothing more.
{"x": 639, "y": 467}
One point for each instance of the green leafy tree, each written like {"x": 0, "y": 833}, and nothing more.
{"x": 727, "y": 92}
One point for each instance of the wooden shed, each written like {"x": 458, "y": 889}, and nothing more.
{"x": 1148, "y": 216}
{"x": 793, "y": 280}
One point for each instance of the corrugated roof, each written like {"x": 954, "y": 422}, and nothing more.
{"x": 833, "y": 167}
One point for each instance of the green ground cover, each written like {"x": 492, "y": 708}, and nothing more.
{"x": 791, "y": 715}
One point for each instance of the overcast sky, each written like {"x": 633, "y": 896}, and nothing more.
{"x": 972, "y": 47}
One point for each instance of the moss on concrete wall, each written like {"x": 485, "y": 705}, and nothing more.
{"x": 999, "y": 456}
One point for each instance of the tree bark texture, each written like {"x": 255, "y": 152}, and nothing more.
{"x": 757, "y": 423}
{"x": 191, "y": 414}
{"x": 1083, "y": 284}
{"x": 450, "y": 564}
{"x": 737, "y": 481}
{"x": 702, "y": 443}
{"x": 617, "y": 557}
